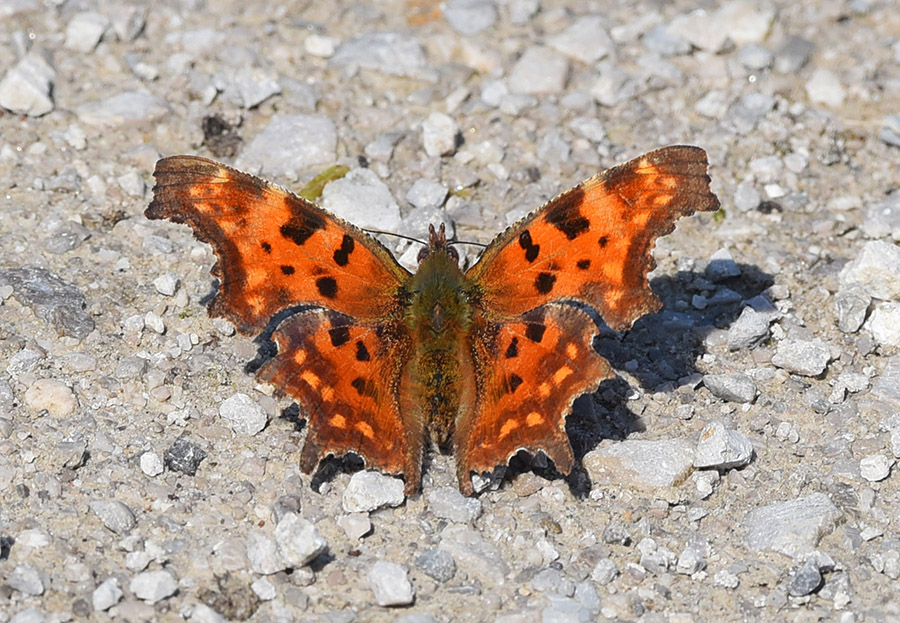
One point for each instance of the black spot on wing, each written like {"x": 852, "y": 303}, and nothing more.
{"x": 604, "y": 240}
{"x": 513, "y": 382}
{"x": 565, "y": 215}
{"x": 363, "y": 387}
{"x": 339, "y": 336}
{"x": 531, "y": 250}
{"x": 327, "y": 287}
{"x": 513, "y": 350}
{"x": 362, "y": 353}
{"x": 266, "y": 247}
{"x": 300, "y": 227}
{"x": 535, "y": 331}
{"x": 583, "y": 264}
{"x": 543, "y": 283}
{"x": 287, "y": 270}
{"x": 342, "y": 255}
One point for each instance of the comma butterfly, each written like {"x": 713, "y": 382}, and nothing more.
{"x": 485, "y": 362}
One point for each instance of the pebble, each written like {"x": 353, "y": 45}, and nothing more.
{"x": 52, "y": 396}
{"x": 288, "y": 145}
{"x": 875, "y": 467}
{"x": 877, "y": 269}
{"x": 51, "y": 299}
{"x": 390, "y": 584}
{"x": 664, "y": 42}
{"x": 604, "y": 572}
{"x": 298, "y": 539}
{"x": 539, "y": 71}
{"x": 115, "y": 515}
{"x": 588, "y": 127}
{"x": 750, "y": 329}
{"x": 27, "y": 87}
{"x": 807, "y": 579}
{"x": 803, "y": 357}
{"x": 184, "y": 456}
{"x": 586, "y": 40}
{"x": 167, "y": 284}
{"x": 153, "y": 586}
{"x": 368, "y": 491}
{"x": 244, "y": 415}
{"x": 640, "y": 463}
{"x": 884, "y": 324}
{"x": 755, "y": 57}
{"x": 355, "y": 526}
{"x": 132, "y": 108}
{"x": 851, "y": 304}
{"x": 392, "y": 53}
{"x": 655, "y": 558}
{"x": 823, "y": 87}
{"x": 714, "y": 105}
{"x": 106, "y": 595}
{"x": 439, "y": 133}
{"x": 363, "y": 199}
{"x": 474, "y": 554}
{"x": 890, "y": 131}
{"x": 248, "y": 87}
{"x": 425, "y": 194}
{"x": 882, "y": 219}
{"x": 887, "y": 386}
{"x": 722, "y": 266}
{"x": 154, "y": 322}
{"x": 691, "y": 560}
{"x": 264, "y": 589}
{"x": 26, "y": 579}
{"x": 793, "y": 54}
{"x": 320, "y": 45}
{"x": 792, "y": 528}
{"x": 437, "y": 564}
{"x": 28, "y": 615}
{"x": 468, "y": 17}
{"x": 84, "y": 30}
{"x": 731, "y": 387}
{"x": 722, "y": 448}
{"x": 448, "y": 503}
{"x": 262, "y": 552}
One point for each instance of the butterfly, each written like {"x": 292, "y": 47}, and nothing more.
{"x": 483, "y": 362}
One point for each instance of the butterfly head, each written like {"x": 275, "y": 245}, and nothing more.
{"x": 437, "y": 242}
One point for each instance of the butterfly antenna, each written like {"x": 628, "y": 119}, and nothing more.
{"x": 390, "y": 233}
{"x": 469, "y": 242}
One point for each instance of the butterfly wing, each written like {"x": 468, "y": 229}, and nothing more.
{"x": 540, "y": 363}
{"x": 275, "y": 250}
{"x": 593, "y": 242}
{"x": 347, "y": 378}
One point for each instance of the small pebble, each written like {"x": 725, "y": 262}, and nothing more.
{"x": 262, "y": 552}
{"x": 398, "y": 54}
{"x": 288, "y": 144}
{"x": 439, "y": 134}
{"x": 26, "y": 579}
{"x": 151, "y": 464}
{"x": 824, "y": 87}
{"x": 722, "y": 448}
{"x": 875, "y": 467}
{"x": 448, "y": 503}
{"x": 299, "y": 541}
{"x": 437, "y": 564}
{"x": 167, "y": 284}
{"x": 362, "y": 198}
{"x": 27, "y": 87}
{"x": 640, "y": 463}
{"x": 540, "y": 70}
{"x": 355, "y": 526}
{"x": 368, "y": 491}
{"x": 877, "y": 269}
{"x": 807, "y": 579}
{"x": 153, "y": 586}
{"x": 851, "y": 304}
{"x": 52, "y": 396}
{"x": 884, "y": 324}
{"x": 425, "y": 194}
{"x": 586, "y": 40}
{"x": 84, "y": 31}
{"x": 390, "y": 584}
{"x": 184, "y": 456}
{"x": 731, "y": 387}
{"x": 106, "y": 595}
{"x": 115, "y": 515}
{"x": 244, "y": 415}
{"x": 468, "y": 17}
{"x": 722, "y": 266}
{"x": 132, "y": 108}
{"x": 803, "y": 357}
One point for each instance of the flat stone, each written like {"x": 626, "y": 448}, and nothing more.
{"x": 793, "y": 54}
{"x": 262, "y": 552}
{"x": 26, "y": 88}
{"x": 355, "y": 526}
{"x": 51, "y": 299}
{"x": 468, "y": 17}
{"x": 26, "y": 579}
{"x": 153, "y": 586}
{"x": 390, "y": 584}
{"x": 851, "y": 304}
{"x": 887, "y": 385}
{"x": 244, "y": 415}
{"x": 750, "y": 329}
{"x": 425, "y": 194}
{"x": 132, "y": 108}
{"x": 803, "y": 357}
{"x": 824, "y": 87}
{"x": 106, "y": 595}
{"x": 248, "y": 87}
{"x": 84, "y": 30}
{"x": 369, "y": 491}
{"x": 393, "y": 53}
{"x": 641, "y": 463}
{"x": 288, "y": 145}
{"x": 540, "y": 70}
{"x": 115, "y": 515}
{"x": 586, "y": 40}
{"x": 882, "y": 219}
{"x": 890, "y": 131}
{"x": 363, "y": 199}
{"x": 298, "y": 539}
{"x": 28, "y": 615}
{"x": 731, "y": 387}
{"x": 439, "y": 134}
{"x": 884, "y": 324}
{"x": 722, "y": 448}
{"x": 875, "y": 467}
{"x": 792, "y": 528}
{"x": 474, "y": 555}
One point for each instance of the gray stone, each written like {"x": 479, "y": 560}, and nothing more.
{"x": 27, "y": 86}
{"x": 290, "y": 144}
{"x": 448, "y": 503}
{"x": 877, "y": 269}
{"x": 475, "y": 555}
{"x": 792, "y": 528}
{"x": 882, "y": 218}
{"x": 750, "y": 329}
{"x": 640, "y": 463}
{"x": 390, "y": 584}
{"x": 661, "y": 40}
{"x": 586, "y": 40}
{"x": 803, "y": 357}
{"x": 540, "y": 70}
{"x": 807, "y": 579}
{"x": 26, "y": 579}
{"x": 437, "y": 564}
{"x": 184, "y": 456}
{"x": 355, "y": 526}
{"x": 890, "y": 130}
{"x": 115, "y": 515}
{"x": 131, "y": 108}
{"x": 439, "y": 134}
{"x": 392, "y": 53}
{"x": 731, "y": 387}
{"x": 244, "y": 415}
{"x": 299, "y": 541}
{"x": 793, "y": 55}
{"x": 887, "y": 386}
{"x": 426, "y": 194}
{"x": 51, "y": 299}
{"x": 248, "y": 87}
{"x": 106, "y": 595}
{"x": 28, "y": 615}
{"x": 722, "y": 448}
{"x": 468, "y": 17}
{"x": 369, "y": 491}
{"x": 590, "y": 128}
{"x": 714, "y": 105}
{"x": 754, "y": 57}
{"x": 691, "y": 560}
{"x": 363, "y": 199}
{"x": 564, "y": 610}
{"x": 655, "y": 558}
{"x": 167, "y": 284}
{"x": 382, "y": 148}
{"x": 604, "y": 572}
{"x": 722, "y": 266}
{"x": 851, "y": 303}
{"x": 153, "y": 586}
{"x": 84, "y": 30}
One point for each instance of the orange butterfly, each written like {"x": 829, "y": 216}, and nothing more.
{"x": 486, "y": 361}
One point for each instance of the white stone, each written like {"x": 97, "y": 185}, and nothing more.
{"x": 51, "y": 395}
{"x": 153, "y": 586}
{"x": 167, "y": 284}
{"x": 823, "y": 87}
{"x": 299, "y": 541}
{"x": 26, "y": 87}
{"x": 540, "y": 70}
{"x": 264, "y": 589}
{"x": 290, "y": 144}
{"x": 153, "y": 322}
{"x": 106, "y": 595}
{"x": 369, "y": 491}
{"x": 877, "y": 269}
{"x": 793, "y": 527}
{"x": 151, "y": 464}
{"x": 245, "y": 415}
{"x": 641, "y": 463}
{"x": 263, "y": 554}
{"x": 884, "y": 323}
{"x": 84, "y": 30}
{"x": 722, "y": 448}
{"x": 363, "y": 199}
{"x": 320, "y": 45}
{"x": 875, "y": 467}
{"x": 390, "y": 584}
{"x": 439, "y": 134}
{"x": 586, "y": 40}
{"x": 355, "y": 526}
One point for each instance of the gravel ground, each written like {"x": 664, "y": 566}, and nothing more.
{"x": 742, "y": 465}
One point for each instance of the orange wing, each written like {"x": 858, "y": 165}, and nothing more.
{"x": 347, "y": 378}
{"x": 536, "y": 366}
{"x": 275, "y": 249}
{"x": 593, "y": 242}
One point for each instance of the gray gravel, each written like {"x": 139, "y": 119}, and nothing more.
{"x": 742, "y": 466}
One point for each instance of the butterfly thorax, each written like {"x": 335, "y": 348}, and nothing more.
{"x": 439, "y": 318}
